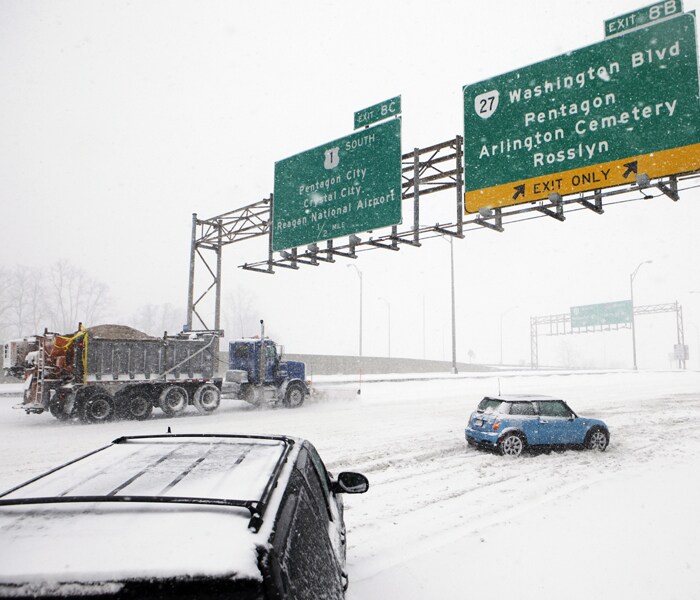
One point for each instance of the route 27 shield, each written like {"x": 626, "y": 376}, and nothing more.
{"x": 486, "y": 104}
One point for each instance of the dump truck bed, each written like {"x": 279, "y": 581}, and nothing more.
{"x": 146, "y": 359}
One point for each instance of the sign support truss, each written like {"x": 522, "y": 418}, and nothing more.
{"x": 212, "y": 235}
{"x": 423, "y": 171}
{"x": 561, "y": 325}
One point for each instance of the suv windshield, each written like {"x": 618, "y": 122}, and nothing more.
{"x": 490, "y": 405}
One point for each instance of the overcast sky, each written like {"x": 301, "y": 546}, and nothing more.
{"x": 121, "y": 119}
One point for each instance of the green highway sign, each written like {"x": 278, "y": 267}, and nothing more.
{"x": 343, "y": 187}
{"x": 643, "y": 17}
{"x": 378, "y": 112}
{"x": 589, "y": 119}
{"x": 609, "y": 313}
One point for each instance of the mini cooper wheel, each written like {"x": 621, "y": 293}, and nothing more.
{"x": 597, "y": 440}
{"x": 511, "y": 444}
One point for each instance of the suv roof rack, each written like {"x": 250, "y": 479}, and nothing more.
{"x": 255, "y": 507}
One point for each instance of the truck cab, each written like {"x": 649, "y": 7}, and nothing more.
{"x": 258, "y": 374}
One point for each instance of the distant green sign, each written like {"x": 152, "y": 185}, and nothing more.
{"x": 586, "y": 120}
{"x": 378, "y": 112}
{"x": 643, "y": 17}
{"x": 609, "y": 313}
{"x": 343, "y": 187}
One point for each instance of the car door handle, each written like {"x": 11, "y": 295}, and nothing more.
{"x": 545, "y": 421}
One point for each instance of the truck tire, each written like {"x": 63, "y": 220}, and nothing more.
{"x": 173, "y": 400}
{"x": 294, "y": 396}
{"x": 206, "y": 398}
{"x": 97, "y": 408}
{"x": 248, "y": 393}
{"x": 138, "y": 405}
{"x": 56, "y": 409}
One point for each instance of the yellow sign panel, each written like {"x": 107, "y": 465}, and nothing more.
{"x": 585, "y": 179}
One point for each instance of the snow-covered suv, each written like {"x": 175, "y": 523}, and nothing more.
{"x": 513, "y": 423}
{"x": 180, "y": 516}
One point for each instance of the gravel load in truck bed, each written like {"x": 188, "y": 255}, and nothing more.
{"x": 117, "y": 332}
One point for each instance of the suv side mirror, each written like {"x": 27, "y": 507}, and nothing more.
{"x": 350, "y": 483}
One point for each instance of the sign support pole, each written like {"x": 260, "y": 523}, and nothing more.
{"x": 416, "y": 198}
{"x": 219, "y": 248}
{"x": 452, "y": 285}
{"x": 459, "y": 185}
{"x": 190, "y": 291}
{"x": 634, "y": 337}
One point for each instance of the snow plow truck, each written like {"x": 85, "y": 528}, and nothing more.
{"x": 113, "y": 371}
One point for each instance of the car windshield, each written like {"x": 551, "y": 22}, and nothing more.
{"x": 490, "y": 405}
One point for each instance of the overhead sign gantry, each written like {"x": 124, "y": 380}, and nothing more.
{"x": 599, "y": 318}
{"x": 620, "y": 116}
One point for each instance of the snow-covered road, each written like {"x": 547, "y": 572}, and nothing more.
{"x": 441, "y": 520}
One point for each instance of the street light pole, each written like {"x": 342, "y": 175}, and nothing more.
{"x": 388, "y": 306}
{"x": 359, "y": 274}
{"x": 697, "y": 331}
{"x": 452, "y": 285}
{"x": 423, "y": 326}
{"x": 452, "y": 293}
{"x": 634, "y": 337}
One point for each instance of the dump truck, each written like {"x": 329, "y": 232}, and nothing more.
{"x": 258, "y": 374}
{"x": 113, "y": 371}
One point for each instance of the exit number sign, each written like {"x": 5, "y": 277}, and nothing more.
{"x": 643, "y": 17}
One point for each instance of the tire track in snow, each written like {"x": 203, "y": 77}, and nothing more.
{"x": 476, "y": 488}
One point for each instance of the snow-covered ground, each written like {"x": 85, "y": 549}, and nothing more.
{"x": 443, "y": 521}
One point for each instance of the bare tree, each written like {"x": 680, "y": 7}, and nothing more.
{"x": 155, "y": 319}
{"x": 569, "y": 354}
{"x": 5, "y": 304}
{"x": 72, "y": 297}
{"x": 28, "y": 301}
{"x": 239, "y": 316}
{"x": 56, "y": 297}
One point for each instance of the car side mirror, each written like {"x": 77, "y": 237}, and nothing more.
{"x": 350, "y": 483}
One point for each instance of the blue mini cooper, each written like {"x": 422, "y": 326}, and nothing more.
{"x": 512, "y": 424}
